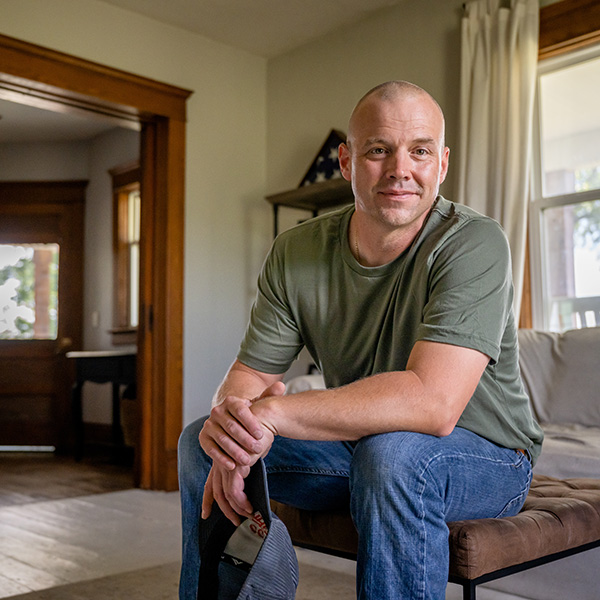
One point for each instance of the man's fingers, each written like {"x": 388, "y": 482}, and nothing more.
{"x": 225, "y": 507}
{"x": 232, "y": 435}
{"x": 228, "y": 492}
{"x": 222, "y": 448}
{"x": 249, "y": 425}
{"x": 207, "y": 497}
{"x": 234, "y": 491}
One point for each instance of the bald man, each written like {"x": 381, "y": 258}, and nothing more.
{"x": 404, "y": 301}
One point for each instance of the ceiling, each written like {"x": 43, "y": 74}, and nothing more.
{"x": 263, "y": 27}
{"x": 20, "y": 123}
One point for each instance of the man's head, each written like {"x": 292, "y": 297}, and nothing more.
{"x": 395, "y": 155}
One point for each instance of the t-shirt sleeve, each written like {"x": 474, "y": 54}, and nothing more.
{"x": 470, "y": 291}
{"x": 272, "y": 339}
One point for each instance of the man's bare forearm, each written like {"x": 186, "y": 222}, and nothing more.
{"x": 377, "y": 404}
{"x": 428, "y": 397}
{"x": 243, "y": 382}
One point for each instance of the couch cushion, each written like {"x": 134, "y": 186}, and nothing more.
{"x": 569, "y": 451}
{"x": 561, "y": 372}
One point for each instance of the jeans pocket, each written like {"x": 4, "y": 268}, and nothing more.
{"x": 522, "y": 482}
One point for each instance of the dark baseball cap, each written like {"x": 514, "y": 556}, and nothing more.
{"x": 253, "y": 561}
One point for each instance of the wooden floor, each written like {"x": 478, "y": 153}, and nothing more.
{"x": 53, "y": 544}
{"x": 64, "y": 523}
{"x": 34, "y": 477}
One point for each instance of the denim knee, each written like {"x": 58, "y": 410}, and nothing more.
{"x": 383, "y": 457}
{"x": 191, "y": 459}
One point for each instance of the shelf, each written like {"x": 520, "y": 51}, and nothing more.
{"x": 314, "y": 197}
{"x": 320, "y": 195}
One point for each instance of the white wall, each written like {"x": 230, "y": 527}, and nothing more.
{"x": 227, "y": 220}
{"x": 116, "y": 148}
{"x": 49, "y": 161}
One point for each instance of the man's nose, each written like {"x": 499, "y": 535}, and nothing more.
{"x": 399, "y": 166}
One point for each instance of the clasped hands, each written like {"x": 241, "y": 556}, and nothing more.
{"x": 235, "y": 439}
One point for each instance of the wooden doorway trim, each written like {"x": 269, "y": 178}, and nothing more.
{"x": 41, "y": 77}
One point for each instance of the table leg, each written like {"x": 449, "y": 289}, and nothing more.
{"x": 77, "y": 418}
{"x": 117, "y": 432}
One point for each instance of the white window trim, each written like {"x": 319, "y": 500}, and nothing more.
{"x": 538, "y": 203}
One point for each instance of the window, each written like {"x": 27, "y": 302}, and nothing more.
{"x": 565, "y": 217}
{"x": 28, "y": 291}
{"x": 126, "y": 238}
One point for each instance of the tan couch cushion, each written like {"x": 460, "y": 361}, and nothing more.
{"x": 562, "y": 375}
{"x": 559, "y": 514}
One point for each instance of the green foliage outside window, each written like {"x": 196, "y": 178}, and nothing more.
{"x": 587, "y": 214}
{"x": 18, "y": 309}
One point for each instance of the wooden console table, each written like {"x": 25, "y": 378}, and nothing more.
{"x": 111, "y": 366}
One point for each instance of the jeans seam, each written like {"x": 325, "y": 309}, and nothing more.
{"x": 311, "y": 471}
{"x": 520, "y": 498}
{"x": 423, "y": 529}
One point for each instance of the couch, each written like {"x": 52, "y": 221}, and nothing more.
{"x": 561, "y": 373}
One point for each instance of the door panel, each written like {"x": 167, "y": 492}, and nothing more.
{"x": 35, "y": 376}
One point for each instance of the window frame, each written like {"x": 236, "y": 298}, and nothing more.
{"x": 539, "y": 202}
{"x": 565, "y": 27}
{"x": 125, "y": 179}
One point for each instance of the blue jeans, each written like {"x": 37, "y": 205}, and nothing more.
{"x": 402, "y": 488}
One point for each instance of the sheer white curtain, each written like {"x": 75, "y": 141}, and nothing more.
{"x": 498, "y": 73}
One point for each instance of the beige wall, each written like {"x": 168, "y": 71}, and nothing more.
{"x": 314, "y": 88}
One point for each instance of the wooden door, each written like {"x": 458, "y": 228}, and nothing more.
{"x": 41, "y": 227}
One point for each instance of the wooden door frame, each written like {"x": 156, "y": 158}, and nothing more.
{"x": 46, "y": 78}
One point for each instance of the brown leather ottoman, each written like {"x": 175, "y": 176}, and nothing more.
{"x": 559, "y": 518}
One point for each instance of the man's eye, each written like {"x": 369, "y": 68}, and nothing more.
{"x": 377, "y": 151}
{"x": 421, "y": 152}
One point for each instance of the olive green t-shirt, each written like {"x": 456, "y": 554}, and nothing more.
{"x": 452, "y": 285}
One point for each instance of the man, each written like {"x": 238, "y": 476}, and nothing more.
{"x": 404, "y": 302}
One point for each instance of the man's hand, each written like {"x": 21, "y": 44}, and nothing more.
{"x": 226, "y": 488}
{"x": 232, "y": 434}
{"x": 235, "y": 439}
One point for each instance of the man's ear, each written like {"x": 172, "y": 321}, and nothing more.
{"x": 345, "y": 162}
{"x": 444, "y": 165}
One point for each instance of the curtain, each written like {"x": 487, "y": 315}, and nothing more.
{"x": 499, "y": 50}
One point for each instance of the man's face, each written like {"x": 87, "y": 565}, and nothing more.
{"x": 395, "y": 159}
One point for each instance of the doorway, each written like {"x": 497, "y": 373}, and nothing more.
{"x": 45, "y": 78}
